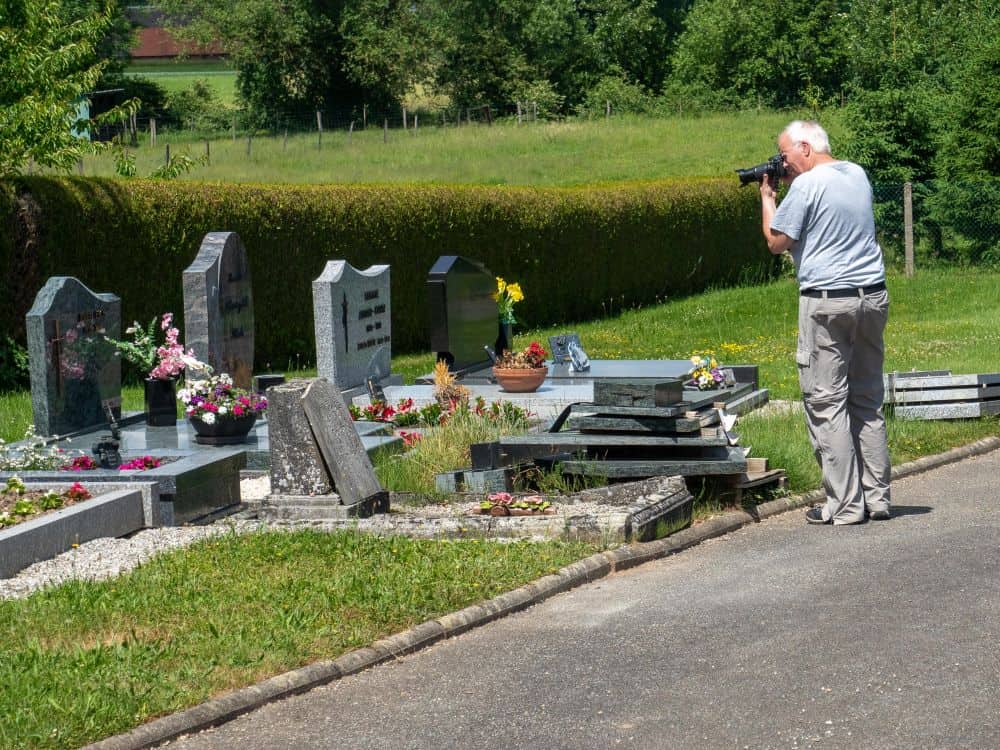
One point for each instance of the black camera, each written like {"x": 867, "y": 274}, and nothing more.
{"x": 774, "y": 168}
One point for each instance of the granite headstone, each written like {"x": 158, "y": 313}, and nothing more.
{"x": 218, "y": 307}
{"x": 73, "y": 366}
{"x": 464, "y": 316}
{"x": 352, "y": 318}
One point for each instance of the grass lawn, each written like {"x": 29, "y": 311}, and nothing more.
{"x": 86, "y": 660}
{"x": 557, "y": 153}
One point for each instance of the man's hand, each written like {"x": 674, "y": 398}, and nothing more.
{"x": 766, "y": 191}
{"x": 777, "y": 242}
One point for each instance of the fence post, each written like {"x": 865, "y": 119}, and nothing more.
{"x": 518, "y": 112}
{"x": 364, "y": 117}
{"x": 908, "y": 227}
{"x": 534, "y": 111}
{"x": 152, "y": 131}
{"x": 350, "y": 132}
{"x": 208, "y": 152}
{"x": 319, "y": 126}
{"x": 385, "y": 130}
{"x": 79, "y": 166}
{"x": 607, "y": 111}
{"x": 404, "y": 118}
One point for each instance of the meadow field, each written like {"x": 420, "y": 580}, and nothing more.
{"x": 177, "y": 75}
{"x": 573, "y": 152}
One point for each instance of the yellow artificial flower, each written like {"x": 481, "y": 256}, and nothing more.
{"x": 515, "y": 292}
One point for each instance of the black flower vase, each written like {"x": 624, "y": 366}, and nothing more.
{"x": 505, "y": 339}
{"x": 161, "y": 402}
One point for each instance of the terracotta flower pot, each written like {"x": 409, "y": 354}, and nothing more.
{"x": 520, "y": 380}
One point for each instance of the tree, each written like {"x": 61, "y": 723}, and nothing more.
{"x": 300, "y": 55}
{"x": 46, "y": 66}
{"x": 761, "y": 52}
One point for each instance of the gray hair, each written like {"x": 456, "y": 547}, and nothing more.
{"x": 809, "y": 131}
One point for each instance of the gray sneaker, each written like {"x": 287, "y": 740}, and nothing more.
{"x": 879, "y": 515}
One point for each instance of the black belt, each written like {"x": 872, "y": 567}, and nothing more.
{"x": 859, "y": 291}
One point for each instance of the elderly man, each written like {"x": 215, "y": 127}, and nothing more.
{"x": 827, "y": 224}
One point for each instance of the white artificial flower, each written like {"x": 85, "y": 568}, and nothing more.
{"x": 184, "y": 395}
{"x": 223, "y": 410}
{"x": 208, "y": 417}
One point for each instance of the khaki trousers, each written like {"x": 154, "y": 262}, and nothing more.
{"x": 840, "y": 355}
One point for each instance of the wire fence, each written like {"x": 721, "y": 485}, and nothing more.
{"x": 939, "y": 222}
{"x": 217, "y": 122}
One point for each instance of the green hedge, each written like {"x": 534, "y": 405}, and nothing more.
{"x": 578, "y": 253}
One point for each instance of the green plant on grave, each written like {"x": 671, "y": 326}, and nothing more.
{"x": 34, "y": 454}
{"x": 14, "y": 486}
{"x": 50, "y": 501}
{"x": 555, "y": 482}
{"x": 23, "y": 508}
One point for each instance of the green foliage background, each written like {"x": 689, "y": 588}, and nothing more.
{"x": 577, "y": 252}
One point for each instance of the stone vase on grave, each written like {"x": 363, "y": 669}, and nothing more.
{"x": 161, "y": 402}
{"x": 228, "y": 431}
{"x": 505, "y": 339}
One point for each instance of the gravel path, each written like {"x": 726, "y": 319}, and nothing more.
{"x": 107, "y": 557}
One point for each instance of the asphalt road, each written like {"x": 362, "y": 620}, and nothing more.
{"x": 781, "y": 635}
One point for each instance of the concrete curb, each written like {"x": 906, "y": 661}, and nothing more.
{"x": 226, "y": 707}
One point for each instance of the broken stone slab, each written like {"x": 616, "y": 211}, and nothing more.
{"x": 628, "y": 393}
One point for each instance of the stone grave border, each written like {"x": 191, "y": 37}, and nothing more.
{"x": 193, "y": 487}
{"x": 119, "y": 509}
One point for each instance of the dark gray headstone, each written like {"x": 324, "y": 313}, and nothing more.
{"x": 352, "y": 318}
{"x": 464, "y": 315}
{"x": 218, "y": 307}
{"x": 73, "y": 366}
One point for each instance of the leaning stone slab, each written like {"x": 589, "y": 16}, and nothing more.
{"x": 116, "y": 512}
{"x": 344, "y": 455}
{"x": 297, "y": 467}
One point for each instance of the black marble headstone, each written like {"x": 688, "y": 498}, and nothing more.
{"x": 463, "y": 312}
{"x": 73, "y": 366}
{"x": 218, "y": 307}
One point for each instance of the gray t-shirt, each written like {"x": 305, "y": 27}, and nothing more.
{"x": 828, "y": 214}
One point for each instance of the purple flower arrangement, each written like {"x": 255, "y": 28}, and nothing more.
{"x": 216, "y": 398}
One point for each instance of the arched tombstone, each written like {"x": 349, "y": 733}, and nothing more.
{"x": 218, "y": 307}
{"x": 74, "y": 368}
{"x": 352, "y": 318}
